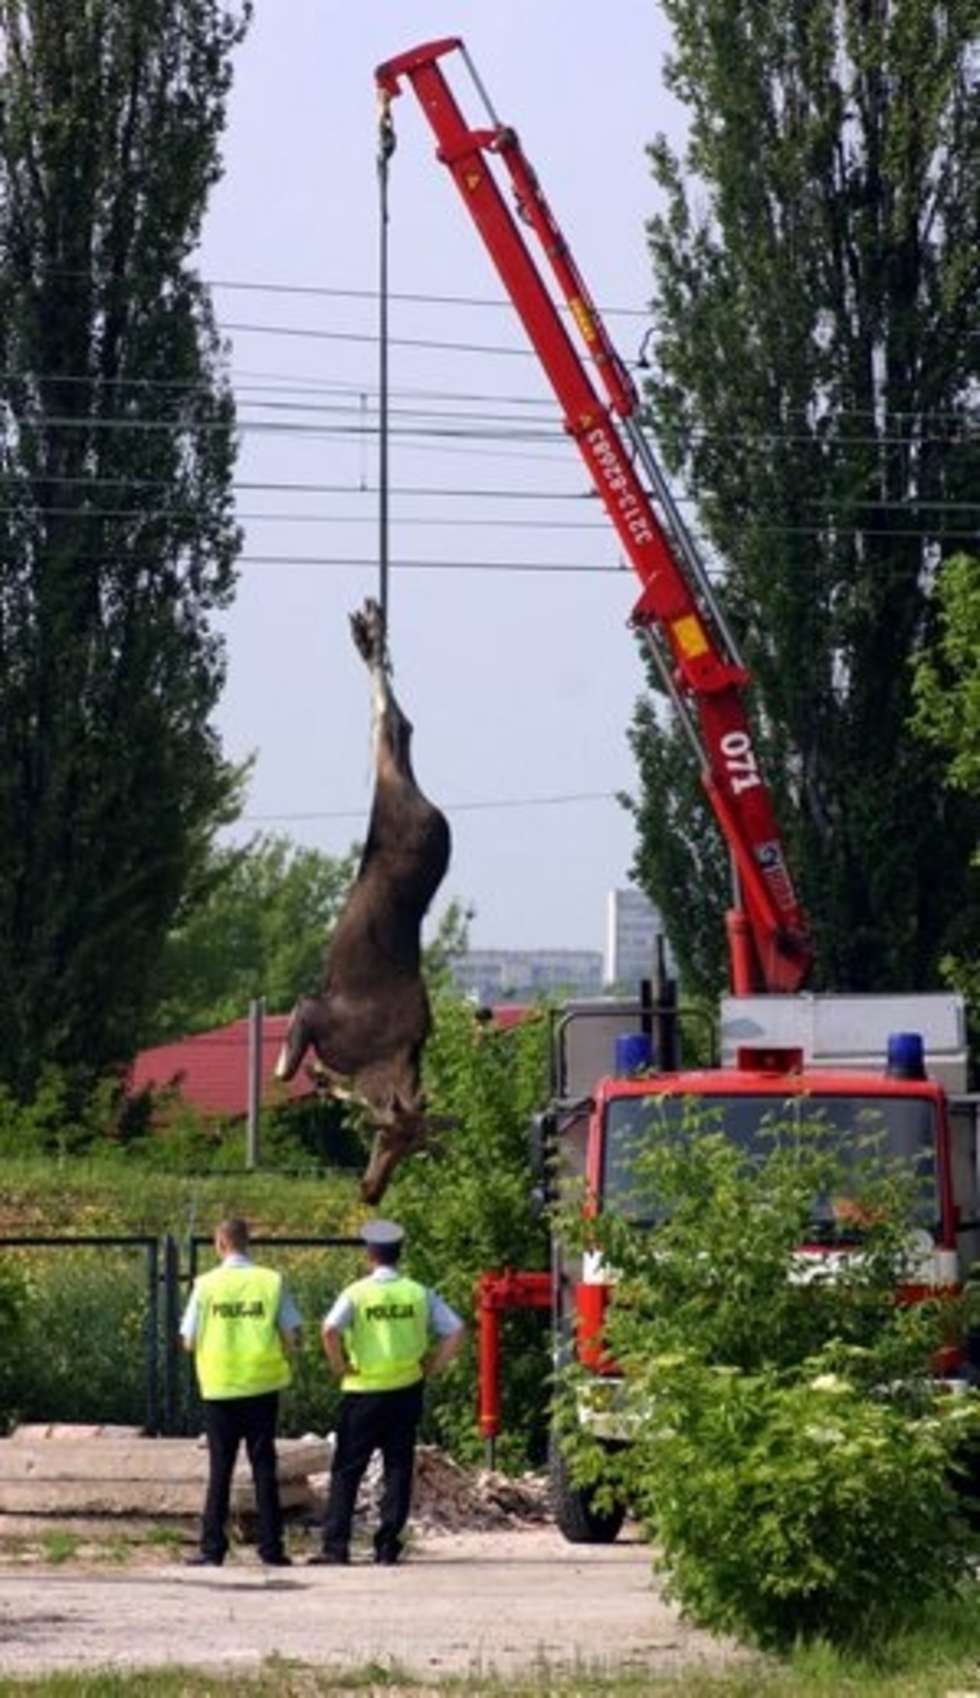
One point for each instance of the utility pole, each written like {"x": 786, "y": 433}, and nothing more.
{"x": 256, "y": 1011}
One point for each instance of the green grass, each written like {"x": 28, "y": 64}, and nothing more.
{"x": 163, "y": 1538}
{"x": 60, "y": 1546}
{"x": 77, "y": 1196}
{"x": 939, "y": 1658}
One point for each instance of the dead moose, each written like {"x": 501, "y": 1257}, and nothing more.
{"x": 370, "y": 1018}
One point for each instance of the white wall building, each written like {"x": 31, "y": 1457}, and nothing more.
{"x": 632, "y": 925}
{"x": 521, "y": 975}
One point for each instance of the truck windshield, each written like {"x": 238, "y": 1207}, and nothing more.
{"x": 901, "y": 1127}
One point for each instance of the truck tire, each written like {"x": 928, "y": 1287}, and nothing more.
{"x": 572, "y": 1508}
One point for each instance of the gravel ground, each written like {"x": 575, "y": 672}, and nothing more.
{"x": 490, "y": 1601}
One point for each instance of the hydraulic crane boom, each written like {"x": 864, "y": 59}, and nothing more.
{"x": 677, "y": 612}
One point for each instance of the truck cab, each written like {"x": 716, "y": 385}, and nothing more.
{"x": 913, "y": 1100}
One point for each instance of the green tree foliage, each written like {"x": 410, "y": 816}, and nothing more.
{"x": 816, "y": 358}
{"x": 450, "y": 941}
{"x": 947, "y": 675}
{"x": 946, "y": 688}
{"x": 467, "y": 1206}
{"x": 116, "y": 531}
{"x": 257, "y": 923}
{"x": 679, "y": 858}
{"x": 260, "y": 931}
{"x": 790, "y": 1452}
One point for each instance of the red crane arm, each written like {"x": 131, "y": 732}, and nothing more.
{"x": 683, "y": 625}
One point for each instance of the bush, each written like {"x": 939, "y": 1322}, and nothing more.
{"x": 467, "y": 1207}
{"x": 84, "y": 1343}
{"x": 13, "y": 1303}
{"x": 790, "y": 1450}
{"x": 65, "y": 1116}
{"x": 801, "y": 1508}
{"x": 73, "y": 1340}
{"x": 159, "y": 1129}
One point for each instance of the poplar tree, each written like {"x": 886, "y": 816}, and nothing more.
{"x": 947, "y": 715}
{"x": 117, "y": 536}
{"x": 815, "y": 362}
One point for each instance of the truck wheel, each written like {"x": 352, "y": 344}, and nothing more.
{"x": 572, "y": 1508}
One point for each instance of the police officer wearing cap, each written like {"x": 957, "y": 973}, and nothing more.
{"x": 241, "y": 1325}
{"x": 384, "y": 1337}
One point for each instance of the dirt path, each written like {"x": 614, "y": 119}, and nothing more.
{"x": 464, "y": 1602}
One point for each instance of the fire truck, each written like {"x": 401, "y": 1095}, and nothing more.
{"x": 899, "y": 1059}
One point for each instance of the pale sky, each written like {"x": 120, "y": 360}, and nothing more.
{"x": 520, "y": 686}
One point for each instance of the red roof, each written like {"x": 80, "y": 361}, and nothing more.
{"x": 211, "y": 1069}
{"x": 507, "y": 1014}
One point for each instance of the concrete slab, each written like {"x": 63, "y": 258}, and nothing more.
{"x": 111, "y": 1475}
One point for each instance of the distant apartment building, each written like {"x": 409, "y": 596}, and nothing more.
{"x": 522, "y": 975}
{"x": 632, "y": 925}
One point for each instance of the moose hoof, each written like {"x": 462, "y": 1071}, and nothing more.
{"x": 368, "y": 632}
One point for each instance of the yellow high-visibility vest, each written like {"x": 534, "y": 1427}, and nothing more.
{"x": 238, "y": 1351}
{"x": 389, "y": 1334}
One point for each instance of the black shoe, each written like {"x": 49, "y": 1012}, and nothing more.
{"x": 280, "y": 1561}
{"x": 387, "y": 1557}
{"x": 327, "y": 1557}
{"x": 200, "y": 1560}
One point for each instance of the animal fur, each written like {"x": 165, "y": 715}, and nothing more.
{"x": 369, "y": 1021}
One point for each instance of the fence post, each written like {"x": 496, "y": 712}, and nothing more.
{"x": 256, "y": 1010}
{"x": 171, "y": 1324}
{"x": 152, "y": 1337}
{"x": 191, "y": 1412}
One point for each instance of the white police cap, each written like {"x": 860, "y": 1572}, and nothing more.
{"x": 381, "y": 1234}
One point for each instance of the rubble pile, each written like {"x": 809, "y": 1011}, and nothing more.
{"x": 449, "y": 1499}
{"x": 66, "y": 1470}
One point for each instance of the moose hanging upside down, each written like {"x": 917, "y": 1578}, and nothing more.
{"x": 369, "y": 1021}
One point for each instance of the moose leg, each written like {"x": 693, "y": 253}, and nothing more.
{"x": 299, "y": 1036}
{"x": 392, "y": 730}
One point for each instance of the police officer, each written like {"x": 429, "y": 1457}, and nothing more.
{"x": 241, "y": 1323}
{"x": 384, "y": 1336}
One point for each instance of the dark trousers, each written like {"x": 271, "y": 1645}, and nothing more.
{"x": 227, "y": 1421}
{"x": 369, "y": 1421}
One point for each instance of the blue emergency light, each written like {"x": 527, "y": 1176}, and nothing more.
{"x": 905, "y": 1056}
{"x": 634, "y": 1053}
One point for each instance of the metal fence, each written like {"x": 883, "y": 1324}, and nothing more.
{"x": 102, "y": 1330}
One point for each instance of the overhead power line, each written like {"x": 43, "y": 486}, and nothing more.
{"x": 428, "y": 565}
{"x": 448, "y": 429}
{"x": 620, "y": 569}
{"x": 427, "y": 343}
{"x": 459, "y": 522}
{"x": 293, "y": 383}
{"x": 417, "y": 298}
{"x": 167, "y": 512}
{"x": 447, "y": 807}
{"x": 443, "y": 492}
{"x": 527, "y": 433}
{"x": 336, "y": 292}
